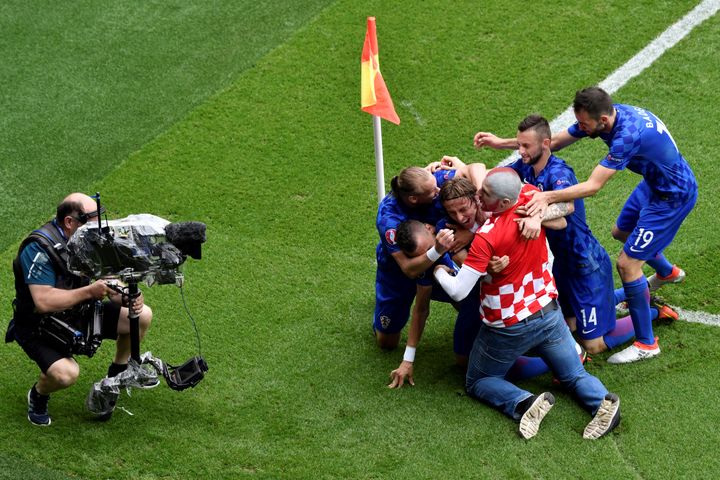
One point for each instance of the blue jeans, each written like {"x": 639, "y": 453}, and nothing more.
{"x": 496, "y": 349}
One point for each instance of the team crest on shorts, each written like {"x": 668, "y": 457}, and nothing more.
{"x": 390, "y": 236}
{"x": 385, "y": 321}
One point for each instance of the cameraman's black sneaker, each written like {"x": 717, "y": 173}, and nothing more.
{"x": 38, "y": 408}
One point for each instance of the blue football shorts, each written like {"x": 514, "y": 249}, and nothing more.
{"x": 653, "y": 221}
{"x": 590, "y": 298}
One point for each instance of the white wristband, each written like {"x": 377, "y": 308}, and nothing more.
{"x": 432, "y": 254}
{"x": 409, "y": 355}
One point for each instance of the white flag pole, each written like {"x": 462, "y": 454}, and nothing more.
{"x": 379, "y": 168}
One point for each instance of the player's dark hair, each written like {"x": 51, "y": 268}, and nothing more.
{"x": 407, "y": 182}
{"x": 538, "y": 123}
{"x": 594, "y": 100}
{"x": 407, "y": 235}
{"x": 457, "y": 188}
{"x": 68, "y": 208}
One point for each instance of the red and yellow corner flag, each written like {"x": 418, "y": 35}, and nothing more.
{"x": 374, "y": 96}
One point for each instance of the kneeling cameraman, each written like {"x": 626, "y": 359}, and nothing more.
{"x": 44, "y": 286}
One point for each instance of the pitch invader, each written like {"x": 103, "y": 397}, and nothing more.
{"x": 652, "y": 215}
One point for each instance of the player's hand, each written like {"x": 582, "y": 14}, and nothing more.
{"x": 522, "y": 211}
{"x": 401, "y": 374}
{"x": 433, "y": 167}
{"x": 538, "y": 204}
{"x": 498, "y": 264}
{"x": 529, "y": 227}
{"x": 486, "y": 139}
{"x": 444, "y": 240}
{"x": 463, "y": 238}
{"x": 451, "y": 163}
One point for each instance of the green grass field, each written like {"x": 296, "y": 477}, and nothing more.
{"x": 246, "y": 117}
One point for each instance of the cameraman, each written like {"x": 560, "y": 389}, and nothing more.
{"x": 44, "y": 285}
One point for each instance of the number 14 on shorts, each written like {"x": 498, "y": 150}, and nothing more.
{"x": 588, "y": 320}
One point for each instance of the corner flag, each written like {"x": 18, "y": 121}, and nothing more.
{"x": 374, "y": 98}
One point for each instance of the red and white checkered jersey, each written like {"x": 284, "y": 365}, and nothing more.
{"x": 526, "y": 285}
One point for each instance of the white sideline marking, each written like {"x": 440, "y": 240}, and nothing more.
{"x": 643, "y": 59}
{"x": 698, "y": 317}
{"x": 632, "y": 68}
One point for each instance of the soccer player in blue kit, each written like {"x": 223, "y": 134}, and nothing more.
{"x": 582, "y": 268}
{"x": 413, "y": 197}
{"x": 651, "y": 216}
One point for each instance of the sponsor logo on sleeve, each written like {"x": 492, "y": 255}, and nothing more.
{"x": 390, "y": 236}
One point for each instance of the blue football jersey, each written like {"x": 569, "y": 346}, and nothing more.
{"x": 640, "y": 142}
{"x": 575, "y": 248}
{"x": 392, "y": 212}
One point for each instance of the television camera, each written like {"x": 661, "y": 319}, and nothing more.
{"x": 125, "y": 252}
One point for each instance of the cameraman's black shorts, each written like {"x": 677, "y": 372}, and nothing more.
{"x": 45, "y": 355}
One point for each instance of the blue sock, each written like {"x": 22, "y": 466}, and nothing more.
{"x": 661, "y": 265}
{"x": 526, "y": 367}
{"x": 638, "y": 299}
{"x": 622, "y": 332}
{"x": 619, "y": 295}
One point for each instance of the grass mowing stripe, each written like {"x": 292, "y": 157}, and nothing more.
{"x": 87, "y": 83}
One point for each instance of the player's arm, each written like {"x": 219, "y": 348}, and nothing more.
{"x": 460, "y": 285}
{"x": 530, "y": 227}
{"x": 487, "y": 139}
{"x": 598, "y": 178}
{"x": 552, "y": 219}
{"x": 562, "y": 140}
{"x": 48, "y": 299}
{"x": 420, "y": 314}
{"x": 413, "y": 267}
{"x": 476, "y": 173}
{"x": 462, "y": 238}
{"x": 555, "y": 224}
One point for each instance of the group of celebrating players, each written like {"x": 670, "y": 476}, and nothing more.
{"x": 478, "y": 239}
